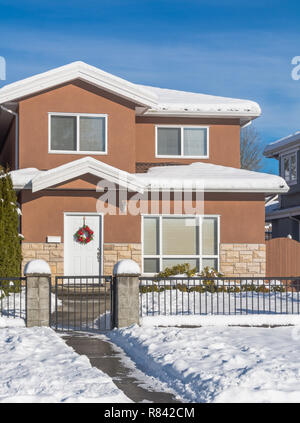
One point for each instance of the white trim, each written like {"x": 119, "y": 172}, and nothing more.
{"x": 82, "y": 166}
{"x": 78, "y": 116}
{"x": 199, "y": 218}
{"x": 101, "y": 226}
{"x": 182, "y": 127}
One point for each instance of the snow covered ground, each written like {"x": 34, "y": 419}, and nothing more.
{"x": 214, "y": 364}
{"x": 174, "y": 302}
{"x": 14, "y": 305}
{"x": 37, "y": 366}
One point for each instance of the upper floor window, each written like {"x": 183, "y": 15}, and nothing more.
{"x": 77, "y": 133}
{"x": 289, "y": 168}
{"x": 182, "y": 141}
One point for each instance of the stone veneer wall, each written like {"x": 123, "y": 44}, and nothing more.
{"x": 243, "y": 260}
{"x": 52, "y": 253}
{"x": 112, "y": 253}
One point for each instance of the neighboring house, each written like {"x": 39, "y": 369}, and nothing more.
{"x": 64, "y": 130}
{"x": 284, "y": 212}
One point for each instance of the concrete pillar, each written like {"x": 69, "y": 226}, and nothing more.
{"x": 126, "y": 292}
{"x": 38, "y": 275}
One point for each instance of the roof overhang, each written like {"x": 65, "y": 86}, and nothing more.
{"x": 279, "y": 214}
{"x": 86, "y": 165}
{"x": 283, "y": 145}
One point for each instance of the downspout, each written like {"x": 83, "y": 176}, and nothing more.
{"x": 17, "y": 134}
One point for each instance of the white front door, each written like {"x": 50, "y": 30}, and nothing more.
{"x": 82, "y": 259}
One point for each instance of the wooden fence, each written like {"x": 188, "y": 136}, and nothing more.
{"x": 282, "y": 257}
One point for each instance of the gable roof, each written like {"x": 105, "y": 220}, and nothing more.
{"x": 150, "y": 100}
{"x": 81, "y": 167}
{"x": 275, "y": 147}
{"x": 77, "y": 70}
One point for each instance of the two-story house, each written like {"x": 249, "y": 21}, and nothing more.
{"x": 87, "y": 147}
{"x": 284, "y": 212}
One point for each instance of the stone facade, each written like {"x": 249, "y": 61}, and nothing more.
{"x": 112, "y": 253}
{"x": 243, "y": 260}
{"x": 52, "y": 253}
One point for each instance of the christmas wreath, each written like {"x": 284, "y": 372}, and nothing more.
{"x": 84, "y": 235}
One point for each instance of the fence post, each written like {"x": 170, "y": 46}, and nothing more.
{"x": 126, "y": 286}
{"x": 38, "y": 275}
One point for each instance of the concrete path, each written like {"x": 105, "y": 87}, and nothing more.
{"x": 103, "y": 356}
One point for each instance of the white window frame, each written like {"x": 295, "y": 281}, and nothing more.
{"x": 78, "y": 116}
{"x": 181, "y": 127}
{"x": 289, "y": 155}
{"x": 199, "y": 256}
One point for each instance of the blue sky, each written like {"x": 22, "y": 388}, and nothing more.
{"x": 228, "y": 48}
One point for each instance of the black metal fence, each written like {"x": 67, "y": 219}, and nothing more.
{"x": 82, "y": 303}
{"x": 13, "y": 297}
{"x": 220, "y": 296}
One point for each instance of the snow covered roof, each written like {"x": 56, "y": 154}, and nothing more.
{"x": 182, "y": 102}
{"x": 22, "y": 178}
{"x": 275, "y": 147}
{"x": 196, "y": 176}
{"x": 150, "y": 100}
{"x": 214, "y": 178}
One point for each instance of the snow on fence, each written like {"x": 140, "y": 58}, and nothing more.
{"x": 226, "y": 296}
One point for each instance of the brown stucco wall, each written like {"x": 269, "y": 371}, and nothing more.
{"x": 43, "y": 214}
{"x": 77, "y": 97}
{"x": 7, "y": 154}
{"x": 241, "y": 216}
{"x": 224, "y": 139}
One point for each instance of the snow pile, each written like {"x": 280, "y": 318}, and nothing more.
{"x": 223, "y": 320}
{"x": 37, "y": 267}
{"x": 37, "y": 366}
{"x": 127, "y": 267}
{"x": 219, "y": 364}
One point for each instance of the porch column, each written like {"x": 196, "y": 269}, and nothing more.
{"x": 38, "y": 275}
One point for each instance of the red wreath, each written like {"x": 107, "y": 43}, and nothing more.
{"x": 84, "y": 235}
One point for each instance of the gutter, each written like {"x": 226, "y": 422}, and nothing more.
{"x": 5, "y": 109}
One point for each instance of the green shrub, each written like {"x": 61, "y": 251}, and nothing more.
{"x": 10, "y": 241}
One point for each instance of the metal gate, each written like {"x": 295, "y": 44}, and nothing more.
{"x": 82, "y": 303}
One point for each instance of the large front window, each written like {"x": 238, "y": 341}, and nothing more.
{"x": 172, "y": 240}
{"x": 182, "y": 142}
{"x": 78, "y": 133}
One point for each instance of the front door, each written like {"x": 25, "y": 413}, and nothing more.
{"x": 82, "y": 259}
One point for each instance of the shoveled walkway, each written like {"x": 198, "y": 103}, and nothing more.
{"x": 103, "y": 356}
